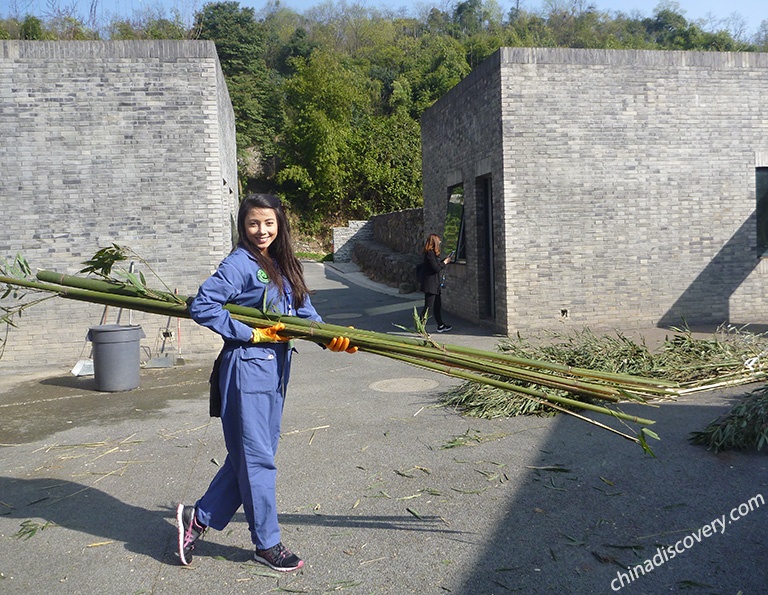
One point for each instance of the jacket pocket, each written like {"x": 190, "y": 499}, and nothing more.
{"x": 258, "y": 370}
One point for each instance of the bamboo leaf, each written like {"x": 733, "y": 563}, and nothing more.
{"x": 573, "y": 540}
{"x": 30, "y": 528}
{"x": 643, "y": 443}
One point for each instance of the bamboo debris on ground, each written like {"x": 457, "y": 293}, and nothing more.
{"x": 731, "y": 357}
{"x": 493, "y": 369}
{"x": 744, "y": 427}
{"x": 728, "y": 355}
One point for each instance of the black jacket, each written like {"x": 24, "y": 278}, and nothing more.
{"x": 433, "y": 268}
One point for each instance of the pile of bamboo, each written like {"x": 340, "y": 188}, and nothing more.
{"x": 532, "y": 379}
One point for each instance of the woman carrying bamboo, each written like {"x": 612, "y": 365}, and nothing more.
{"x": 261, "y": 272}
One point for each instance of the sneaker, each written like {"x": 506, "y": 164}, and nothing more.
{"x": 444, "y": 328}
{"x": 279, "y": 558}
{"x": 190, "y": 530}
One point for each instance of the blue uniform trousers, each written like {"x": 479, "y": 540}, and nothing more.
{"x": 252, "y": 384}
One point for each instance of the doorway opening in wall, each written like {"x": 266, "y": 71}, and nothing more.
{"x": 453, "y": 234}
{"x": 486, "y": 279}
{"x": 761, "y": 210}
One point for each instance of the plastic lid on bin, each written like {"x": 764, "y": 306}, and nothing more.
{"x": 115, "y": 333}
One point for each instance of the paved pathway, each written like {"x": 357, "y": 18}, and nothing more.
{"x": 374, "y": 491}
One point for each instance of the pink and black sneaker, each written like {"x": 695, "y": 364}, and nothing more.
{"x": 190, "y": 530}
{"x": 279, "y": 558}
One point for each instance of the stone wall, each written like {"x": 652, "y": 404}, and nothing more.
{"x": 402, "y": 231}
{"x": 113, "y": 142}
{"x": 623, "y": 185}
{"x": 344, "y": 239}
{"x": 387, "y": 248}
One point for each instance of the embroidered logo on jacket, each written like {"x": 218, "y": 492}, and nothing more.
{"x": 262, "y": 276}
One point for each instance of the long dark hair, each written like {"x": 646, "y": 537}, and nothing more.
{"x": 283, "y": 261}
{"x": 432, "y": 244}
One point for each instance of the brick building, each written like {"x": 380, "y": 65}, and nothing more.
{"x": 605, "y": 188}
{"x": 127, "y": 142}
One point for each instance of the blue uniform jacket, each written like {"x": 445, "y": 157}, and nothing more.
{"x": 263, "y": 367}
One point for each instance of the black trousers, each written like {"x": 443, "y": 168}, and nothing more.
{"x": 434, "y": 304}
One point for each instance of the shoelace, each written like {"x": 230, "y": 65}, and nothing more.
{"x": 192, "y": 534}
{"x": 277, "y": 552}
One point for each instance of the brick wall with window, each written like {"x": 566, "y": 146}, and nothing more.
{"x": 624, "y": 184}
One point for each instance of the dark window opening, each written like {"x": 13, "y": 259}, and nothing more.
{"x": 761, "y": 209}
{"x": 485, "y": 246}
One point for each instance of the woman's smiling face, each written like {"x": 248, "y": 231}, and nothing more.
{"x": 261, "y": 228}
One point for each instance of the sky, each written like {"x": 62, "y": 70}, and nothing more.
{"x": 752, "y": 12}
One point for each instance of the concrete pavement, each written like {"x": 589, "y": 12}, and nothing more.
{"x": 380, "y": 490}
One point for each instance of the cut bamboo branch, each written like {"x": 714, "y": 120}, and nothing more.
{"x": 469, "y": 358}
{"x": 475, "y": 365}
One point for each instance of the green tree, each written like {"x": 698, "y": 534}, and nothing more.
{"x": 8, "y": 27}
{"x": 761, "y": 37}
{"x": 468, "y": 17}
{"x": 439, "y": 64}
{"x": 299, "y": 45}
{"x": 386, "y": 152}
{"x": 326, "y": 100}
{"x": 119, "y": 29}
{"x": 284, "y": 37}
{"x": 32, "y": 28}
{"x": 237, "y": 35}
{"x": 254, "y": 91}
{"x": 71, "y": 28}
{"x": 668, "y": 29}
{"x": 439, "y": 22}
{"x": 163, "y": 28}
{"x": 527, "y": 30}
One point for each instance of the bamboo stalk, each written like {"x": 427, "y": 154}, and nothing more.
{"x": 465, "y": 363}
{"x": 624, "y": 379}
{"x": 305, "y": 329}
{"x": 373, "y": 342}
{"x": 456, "y": 355}
{"x": 121, "y": 301}
{"x": 525, "y": 391}
{"x": 531, "y": 394}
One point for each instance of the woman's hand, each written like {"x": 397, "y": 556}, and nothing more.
{"x": 338, "y": 344}
{"x": 269, "y": 335}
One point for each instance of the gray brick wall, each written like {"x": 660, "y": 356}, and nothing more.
{"x": 624, "y": 184}
{"x": 113, "y": 142}
{"x": 402, "y": 231}
{"x": 461, "y": 143}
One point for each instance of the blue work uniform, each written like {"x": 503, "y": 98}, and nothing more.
{"x": 252, "y": 379}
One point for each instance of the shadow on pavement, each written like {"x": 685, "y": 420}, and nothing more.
{"x": 593, "y": 505}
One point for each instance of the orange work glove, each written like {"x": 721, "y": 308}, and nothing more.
{"x": 269, "y": 335}
{"x": 338, "y": 344}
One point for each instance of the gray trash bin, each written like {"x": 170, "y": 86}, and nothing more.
{"x": 116, "y": 356}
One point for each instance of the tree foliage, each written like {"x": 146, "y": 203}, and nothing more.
{"x": 328, "y": 102}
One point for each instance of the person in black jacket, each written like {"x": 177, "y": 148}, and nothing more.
{"x": 431, "y": 282}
